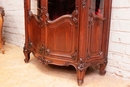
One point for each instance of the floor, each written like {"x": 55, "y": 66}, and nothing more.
{"x": 14, "y": 72}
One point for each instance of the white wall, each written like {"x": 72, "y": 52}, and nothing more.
{"x": 119, "y": 46}
{"x": 14, "y": 21}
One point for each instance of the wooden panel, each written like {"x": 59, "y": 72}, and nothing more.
{"x": 95, "y": 39}
{"x": 61, "y": 37}
{"x": 35, "y": 33}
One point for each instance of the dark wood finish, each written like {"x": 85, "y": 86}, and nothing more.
{"x": 79, "y": 38}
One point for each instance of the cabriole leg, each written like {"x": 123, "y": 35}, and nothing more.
{"x": 102, "y": 68}
{"x": 80, "y": 77}
{"x": 27, "y": 55}
{"x": 81, "y": 69}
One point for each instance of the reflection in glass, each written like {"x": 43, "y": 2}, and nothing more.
{"x": 57, "y": 8}
{"x": 97, "y": 9}
{"x": 97, "y": 6}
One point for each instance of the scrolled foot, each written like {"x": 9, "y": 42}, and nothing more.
{"x": 103, "y": 72}
{"x": 27, "y": 55}
{"x": 102, "y": 68}
{"x": 26, "y": 60}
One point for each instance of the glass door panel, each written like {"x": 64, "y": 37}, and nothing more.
{"x": 97, "y": 7}
{"x": 57, "y": 8}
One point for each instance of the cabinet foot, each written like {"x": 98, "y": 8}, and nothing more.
{"x": 80, "y": 77}
{"x": 27, "y": 55}
{"x": 80, "y": 82}
{"x": 102, "y": 68}
{"x": 26, "y": 60}
{"x": 103, "y": 72}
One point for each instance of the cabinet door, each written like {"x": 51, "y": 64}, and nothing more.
{"x": 95, "y": 31}
{"x": 61, "y": 30}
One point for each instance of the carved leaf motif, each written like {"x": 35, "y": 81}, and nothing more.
{"x": 41, "y": 49}
{"x": 44, "y": 61}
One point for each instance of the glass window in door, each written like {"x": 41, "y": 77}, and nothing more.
{"x": 57, "y": 8}
{"x": 97, "y": 7}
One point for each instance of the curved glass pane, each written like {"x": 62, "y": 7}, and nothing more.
{"x": 57, "y": 8}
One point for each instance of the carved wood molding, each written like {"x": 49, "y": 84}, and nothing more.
{"x": 44, "y": 50}
{"x": 38, "y": 18}
{"x": 30, "y": 14}
{"x": 75, "y": 16}
{"x": 46, "y": 16}
{"x": 30, "y": 45}
{"x": 41, "y": 49}
{"x": 91, "y": 22}
{"x": 25, "y": 49}
{"x": 47, "y": 51}
{"x": 44, "y": 61}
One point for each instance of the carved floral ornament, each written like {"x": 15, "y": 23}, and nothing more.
{"x": 81, "y": 65}
{"x": 44, "y": 61}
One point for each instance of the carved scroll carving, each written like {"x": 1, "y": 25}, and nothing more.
{"x": 44, "y": 61}
{"x": 41, "y": 49}
{"x": 44, "y": 50}
{"x": 75, "y": 16}
{"x": 30, "y": 15}
{"x": 47, "y": 51}
{"x": 46, "y": 16}
{"x": 81, "y": 65}
{"x": 90, "y": 20}
{"x": 67, "y": 63}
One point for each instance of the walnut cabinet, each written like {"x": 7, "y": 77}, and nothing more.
{"x": 68, "y": 32}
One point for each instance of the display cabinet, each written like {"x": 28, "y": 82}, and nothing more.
{"x": 69, "y": 32}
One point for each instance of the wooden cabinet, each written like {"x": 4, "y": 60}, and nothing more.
{"x": 69, "y": 32}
